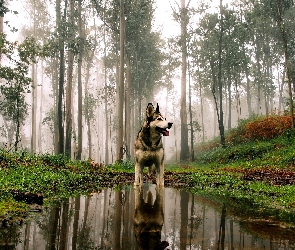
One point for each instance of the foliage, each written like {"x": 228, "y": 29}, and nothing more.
{"x": 267, "y": 127}
{"x": 125, "y": 165}
{"x": 15, "y": 82}
{"x": 235, "y": 135}
{"x": 51, "y": 176}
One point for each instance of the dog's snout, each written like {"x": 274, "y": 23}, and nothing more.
{"x": 170, "y": 124}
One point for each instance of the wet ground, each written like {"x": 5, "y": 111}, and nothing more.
{"x": 147, "y": 218}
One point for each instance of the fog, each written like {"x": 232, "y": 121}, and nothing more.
{"x": 252, "y": 80}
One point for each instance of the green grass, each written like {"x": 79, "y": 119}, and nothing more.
{"x": 54, "y": 177}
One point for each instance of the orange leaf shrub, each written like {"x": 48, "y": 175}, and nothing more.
{"x": 266, "y": 127}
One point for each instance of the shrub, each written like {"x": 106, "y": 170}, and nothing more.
{"x": 266, "y": 127}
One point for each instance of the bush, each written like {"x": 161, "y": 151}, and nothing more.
{"x": 266, "y": 127}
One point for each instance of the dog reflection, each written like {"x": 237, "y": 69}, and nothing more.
{"x": 149, "y": 219}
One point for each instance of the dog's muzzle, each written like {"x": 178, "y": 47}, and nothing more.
{"x": 170, "y": 125}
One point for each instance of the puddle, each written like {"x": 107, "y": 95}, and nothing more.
{"x": 143, "y": 219}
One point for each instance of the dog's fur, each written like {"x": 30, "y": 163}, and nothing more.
{"x": 149, "y": 219}
{"x": 148, "y": 148}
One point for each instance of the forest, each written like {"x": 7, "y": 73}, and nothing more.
{"x": 77, "y": 75}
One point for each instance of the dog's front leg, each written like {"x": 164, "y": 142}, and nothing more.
{"x": 160, "y": 174}
{"x": 137, "y": 174}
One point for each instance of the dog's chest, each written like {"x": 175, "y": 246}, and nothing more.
{"x": 148, "y": 158}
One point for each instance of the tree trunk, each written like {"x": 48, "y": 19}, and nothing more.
{"x": 34, "y": 96}
{"x": 69, "y": 90}
{"x": 248, "y": 89}
{"x": 184, "y": 150}
{"x": 120, "y": 103}
{"x": 127, "y": 107}
{"x": 287, "y": 60}
{"x": 40, "y": 109}
{"x": 258, "y": 77}
{"x": 281, "y": 87}
{"x": 60, "y": 134}
{"x": 87, "y": 105}
{"x": 191, "y": 116}
{"x": 79, "y": 150}
{"x": 34, "y": 110}
{"x": 221, "y": 125}
{"x": 229, "y": 99}
{"x": 106, "y": 157}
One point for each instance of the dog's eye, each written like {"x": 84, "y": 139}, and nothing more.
{"x": 159, "y": 119}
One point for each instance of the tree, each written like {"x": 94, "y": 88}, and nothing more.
{"x": 61, "y": 29}
{"x": 68, "y": 114}
{"x": 184, "y": 150}
{"x": 279, "y": 9}
{"x": 120, "y": 110}
{"x": 16, "y": 83}
{"x": 220, "y": 114}
{"x": 81, "y": 51}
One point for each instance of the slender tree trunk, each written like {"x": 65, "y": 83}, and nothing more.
{"x": 258, "y": 77}
{"x": 106, "y": 157}
{"x": 34, "y": 96}
{"x": 202, "y": 111}
{"x": 184, "y": 150}
{"x": 191, "y": 116}
{"x": 79, "y": 151}
{"x": 60, "y": 127}
{"x": 229, "y": 99}
{"x": 281, "y": 88}
{"x": 87, "y": 105}
{"x": 128, "y": 107}
{"x": 248, "y": 91}
{"x": 34, "y": 110}
{"x": 287, "y": 60}
{"x": 68, "y": 143}
{"x": 120, "y": 103}
{"x": 41, "y": 108}
{"x": 221, "y": 125}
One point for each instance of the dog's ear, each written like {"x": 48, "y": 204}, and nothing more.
{"x": 150, "y": 112}
{"x": 157, "y": 108}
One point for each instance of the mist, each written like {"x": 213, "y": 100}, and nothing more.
{"x": 67, "y": 96}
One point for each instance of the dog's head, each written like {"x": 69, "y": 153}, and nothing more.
{"x": 157, "y": 121}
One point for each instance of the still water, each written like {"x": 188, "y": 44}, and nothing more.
{"x": 148, "y": 218}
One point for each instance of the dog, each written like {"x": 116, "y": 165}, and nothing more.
{"x": 148, "y": 147}
{"x": 149, "y": 219}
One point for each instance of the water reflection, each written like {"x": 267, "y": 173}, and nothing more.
{"x": 147, "y": 218}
